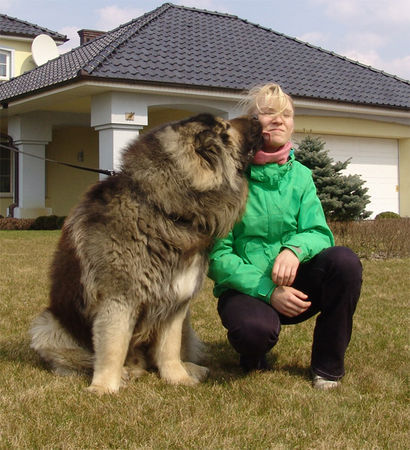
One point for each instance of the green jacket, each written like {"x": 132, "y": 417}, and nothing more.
{"x": 283, "y": 211}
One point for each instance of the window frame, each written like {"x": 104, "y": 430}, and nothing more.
{"x": 10, "y": 175}
{"x": 9, "y": 63}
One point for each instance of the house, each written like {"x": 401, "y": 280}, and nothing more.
{"x": 16, "y": 38}
{"x": 174, "y": 61}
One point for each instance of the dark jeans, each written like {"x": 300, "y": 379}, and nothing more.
{"x": 332, "y": 280}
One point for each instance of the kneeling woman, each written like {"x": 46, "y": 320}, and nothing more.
{"x": 279, "y": 265}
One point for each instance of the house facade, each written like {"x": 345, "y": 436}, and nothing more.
{"x": 83, "y": 107}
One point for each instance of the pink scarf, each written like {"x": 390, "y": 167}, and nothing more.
{"x": 280, "y": 156}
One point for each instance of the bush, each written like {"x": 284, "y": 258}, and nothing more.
{"x": 10, "y": 223}
{"x": 41, "y": 223}
{"x": 387, "y": 215}
{"x": 47, "y": 223}
{"x": 60, "y": 221}
{"x": 371, "y": 239}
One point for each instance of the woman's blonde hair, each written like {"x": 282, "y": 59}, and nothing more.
{"x": 266, "y": 99}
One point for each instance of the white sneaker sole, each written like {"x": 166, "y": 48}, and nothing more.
{"x": 322, "y": 384}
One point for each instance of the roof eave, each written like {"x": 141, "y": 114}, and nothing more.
{"x": 301, "y": 101}
{"x": 6, "y": 102}
{"x": 31, "y": 36}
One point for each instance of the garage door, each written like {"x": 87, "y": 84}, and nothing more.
{"x": 375, "y": 160}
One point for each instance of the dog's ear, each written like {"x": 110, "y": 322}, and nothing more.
{"x": 205, "y": 119}
{"x": 205, "y": 161}
{"x": 207, "y": 146}
{"x": 204, "y": 139}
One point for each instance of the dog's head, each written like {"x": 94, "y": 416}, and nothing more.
{"x": 201, "y": 153}
{"x": 195, "y": 169}
{"x": 213, "y": 151}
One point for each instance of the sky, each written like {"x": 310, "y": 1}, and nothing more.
{"x": 373, "y": 32}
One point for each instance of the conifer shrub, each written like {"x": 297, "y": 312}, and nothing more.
{"x": 343, "y": 197}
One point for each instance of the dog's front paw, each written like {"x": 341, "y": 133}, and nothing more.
{"x": 101, "y": 390}
{"x": 198, "y": 372}
{"x": 175, "y": 373}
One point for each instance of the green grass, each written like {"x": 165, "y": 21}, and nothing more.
{"x": 277, "y": 409}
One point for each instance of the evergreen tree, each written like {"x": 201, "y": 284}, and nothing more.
{"x": 343, "y": 197}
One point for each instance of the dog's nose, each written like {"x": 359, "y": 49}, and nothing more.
{"x": 255, "y": 123}
{"x": 256, "y": 126}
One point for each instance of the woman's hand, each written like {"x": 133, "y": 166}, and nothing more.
{"x": 285, "y": 268}
{"x": 289, "y": 301}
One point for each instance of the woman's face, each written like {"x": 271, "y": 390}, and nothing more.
{"x": 276, "y": 128}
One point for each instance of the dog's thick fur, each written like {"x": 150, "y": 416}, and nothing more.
{"x": 134, "y": 252}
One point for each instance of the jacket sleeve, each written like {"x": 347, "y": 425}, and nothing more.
{"x": 229, "y": 271}
{"x": 313, "y": 233}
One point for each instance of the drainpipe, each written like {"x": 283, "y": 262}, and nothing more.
{"x": 16, "y": 184}
{"x": 8, "y": 140}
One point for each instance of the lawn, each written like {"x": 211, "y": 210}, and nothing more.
{"x": 276, "y": 409}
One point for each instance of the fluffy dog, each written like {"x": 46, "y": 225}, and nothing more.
{"x": 134, "y": 252}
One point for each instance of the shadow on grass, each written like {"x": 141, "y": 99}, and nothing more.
{"x": 297, "y": 371}
{"x": 19, "y": 354}
{"x": 223, "y": 363}
{"x": 221, "y": 359}
{"x": 18, "y": 350}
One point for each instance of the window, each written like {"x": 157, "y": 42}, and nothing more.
{"x": 5, "y": 63}
{"x": 5, "y": 171}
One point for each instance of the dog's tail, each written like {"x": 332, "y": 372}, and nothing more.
{"x": 57, "y": 347}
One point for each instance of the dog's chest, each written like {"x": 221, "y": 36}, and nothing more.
{"x": 188, "y": 279}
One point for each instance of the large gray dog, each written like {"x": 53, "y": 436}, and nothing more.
{"x": 134, "y": 252}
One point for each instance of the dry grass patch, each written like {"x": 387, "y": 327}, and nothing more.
{"x": 277, "y": 409}
{"x": 375, "y": 239}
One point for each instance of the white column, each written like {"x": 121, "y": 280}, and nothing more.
{"x": 118, "y": 117}
{"x": 112, "y": 140}
{"x": 31, "y": 134}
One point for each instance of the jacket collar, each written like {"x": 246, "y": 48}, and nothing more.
{"x": 270, "y": 174}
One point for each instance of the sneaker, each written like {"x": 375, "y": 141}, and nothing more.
{"x": 323, "y": 384}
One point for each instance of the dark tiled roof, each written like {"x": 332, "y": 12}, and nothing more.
{"x": 15, "y": 27}
{"x": 181, "y": 46}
